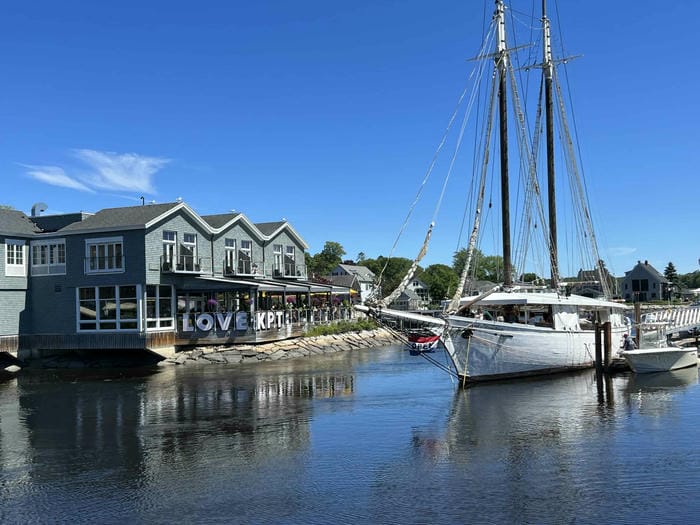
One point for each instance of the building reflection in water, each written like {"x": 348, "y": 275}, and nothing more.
{"x": 79, "y": 431}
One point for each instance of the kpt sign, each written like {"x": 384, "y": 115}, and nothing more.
{"x": 221, "y": 321}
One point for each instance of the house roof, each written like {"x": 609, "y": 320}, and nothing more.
{"x": 268, "y": 228}
{"x": 13, "y": 222}
{"x": 344, "y": 280}
{"x": 220, "y": 220}
{"x": 644, "y": 266}
{"x": 128, "y": 217}
{"x": 363, "y": 273}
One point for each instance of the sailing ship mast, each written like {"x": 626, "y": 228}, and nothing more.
{"x": 547, "y": 67}
{"x": 501, "y": 60}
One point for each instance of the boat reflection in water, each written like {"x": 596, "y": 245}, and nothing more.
{"x": 655, "y": 394}
{"x": 550, "y": 451}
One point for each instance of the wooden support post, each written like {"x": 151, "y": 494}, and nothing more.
{"x": 637, "y": 321}
{"x": 598, "y": 349}
{"x": 607, "y": 344}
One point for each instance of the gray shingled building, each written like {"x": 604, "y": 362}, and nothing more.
{"x": 155, "y": 277}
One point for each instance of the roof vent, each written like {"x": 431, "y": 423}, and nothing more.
{"x": 39, "y": 208}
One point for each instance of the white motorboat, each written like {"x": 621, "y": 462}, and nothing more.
{"x": 660, "y": 359}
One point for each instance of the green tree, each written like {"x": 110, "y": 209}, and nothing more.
{"x": 324, "y": 261}
{"x": 529, "y": 277}
{"x": 671, "y": 274}
{"x": 441, "y": 280}
{"x": 488, "y": 268}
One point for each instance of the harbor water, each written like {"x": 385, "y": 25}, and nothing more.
{"x": 366, "y": 436}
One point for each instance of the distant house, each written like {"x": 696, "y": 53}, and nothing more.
{"x": 419, "y": 288}
{"x": 644, "y": 283}
{"x": 588, "y": 283}
{"x": 408, "y": 300}
{"x": 363, "y": 277}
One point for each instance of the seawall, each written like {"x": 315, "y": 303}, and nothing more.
{"x": 287, "y": 349}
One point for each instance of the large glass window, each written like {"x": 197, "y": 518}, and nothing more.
{"x": 230, "y": 256}
{"x": 244, "y": 257}
{"x": 104, "y": 255}
{"x": 108, "y": 308}
{"x": 48, "y": 257}
{"x": 169, "y": 249}
{"x": 15, "y": 264}
{"x": 289, "y": 261}
{"x": 277, "y": 260}
{"x": 188, "y": 253}
{"x": 159, "y": 307}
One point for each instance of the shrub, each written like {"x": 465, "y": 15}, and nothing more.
{"x": 341, "y": 327}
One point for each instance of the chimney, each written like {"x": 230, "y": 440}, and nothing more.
{"x": 39, "y": 208}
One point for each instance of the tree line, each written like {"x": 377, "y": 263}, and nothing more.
{"x": 442, "y": 279}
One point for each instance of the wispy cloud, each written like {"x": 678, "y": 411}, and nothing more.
{"x": 56, "y": 177}
{"x": 104, "y": 170}
{"x": 127, "y": 171}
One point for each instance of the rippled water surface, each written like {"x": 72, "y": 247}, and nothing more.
{"x": 369, "y": 436}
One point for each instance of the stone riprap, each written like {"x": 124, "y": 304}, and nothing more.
{"x": 287, "y": 349}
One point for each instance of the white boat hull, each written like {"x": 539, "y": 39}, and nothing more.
{"x": 484, "y": 350}
{"x": 660, "y": 359}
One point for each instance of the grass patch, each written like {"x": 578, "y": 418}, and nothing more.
{"x": 341, "y": 327}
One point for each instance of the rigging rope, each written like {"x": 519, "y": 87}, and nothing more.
{"x": 476, "y": 73}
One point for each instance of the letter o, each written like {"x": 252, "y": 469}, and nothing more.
{"x": 205, "y": 322}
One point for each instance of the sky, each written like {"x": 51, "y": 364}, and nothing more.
{"x": 327, "y": 114}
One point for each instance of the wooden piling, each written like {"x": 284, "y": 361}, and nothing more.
{"x": 607, "y": 344}
{"x": 637, "y": 321}
{"x": 598, "y": 350}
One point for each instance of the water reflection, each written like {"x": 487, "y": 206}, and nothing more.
{"x": 364, "y": 437}
{"x": 139, "y": 435}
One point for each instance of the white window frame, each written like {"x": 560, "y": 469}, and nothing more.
{"x": 290, "y": 252}
{"x": 52, "y": 253}
{"x": 246, "y": 249}
{"x": 230, "y": 254}
{"x": 169, "y": 248}
{"x": 118, "y": 306}
{"x": 15, "y": 250}
{"x": 191, "y": 246}
{"x": 277, "y": 260}
{"x": 113, "y": 263}
{"x": 161, "y": 323}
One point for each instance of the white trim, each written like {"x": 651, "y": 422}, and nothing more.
{"x": 117, "y": 320}
{"x": 47, "y": 268}
{"x": 14, "y": 269}
{"x": 117, "y": 260}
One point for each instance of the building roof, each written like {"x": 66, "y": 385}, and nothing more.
{"x": 344, "y": 280}
{"x": 648, "y": 268}
{"x": 13, "y": 222}
{"x": 268, "y": 228}
{"x": 362, "y": 272}
{"x": 128, "y": 217}
{"x": 220, "y": 220}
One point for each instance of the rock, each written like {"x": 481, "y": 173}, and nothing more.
{"x": 12, "y": 369}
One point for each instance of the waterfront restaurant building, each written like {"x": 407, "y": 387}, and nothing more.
{"x": 156, "y": 277}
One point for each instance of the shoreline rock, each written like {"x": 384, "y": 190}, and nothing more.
{"x": 287, "y": 349}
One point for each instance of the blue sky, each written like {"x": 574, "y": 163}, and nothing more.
{"x": 328, "y": 113}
